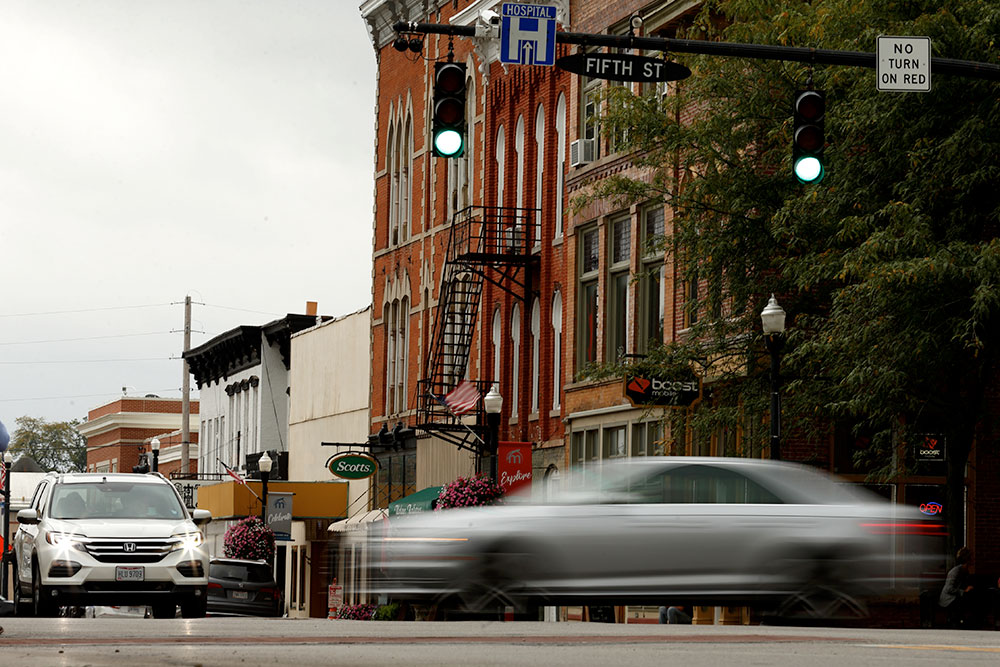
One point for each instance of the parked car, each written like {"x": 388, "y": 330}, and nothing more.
{"x": 683, "y": 530}
{"x": 245, "y": 587}
{"x": 109, "y": 539}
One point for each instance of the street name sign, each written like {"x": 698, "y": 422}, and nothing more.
{"x": 527, "y": 34}
{"x": 623, "y": 67}
{"x": 903, "y": 64}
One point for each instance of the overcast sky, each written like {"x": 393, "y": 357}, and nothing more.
{"x": 151, "y": 149}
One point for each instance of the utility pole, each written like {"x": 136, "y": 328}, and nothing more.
{"x": 186, "y": 392}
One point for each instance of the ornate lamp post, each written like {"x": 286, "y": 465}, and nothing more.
{"x": 264, "y": 465}
{"x": 155, "y": 446}
{"x": 773, "y": 320}
{"x": 493, "y": 402}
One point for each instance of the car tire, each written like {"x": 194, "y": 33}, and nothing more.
{"x": 491, "y": 586}
{"x": 41, "y": 602}
{"x": 164, "y": 609}
{"x": 21, "y": 607}
{"x": 194, "y": 607}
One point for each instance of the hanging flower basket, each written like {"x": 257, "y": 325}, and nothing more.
{"x": 249, "y": 539}
{"x": 470, "y": 492}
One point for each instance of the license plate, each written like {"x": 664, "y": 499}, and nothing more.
{"x": 240, "y": 595}
{"x": 126, "y": 573}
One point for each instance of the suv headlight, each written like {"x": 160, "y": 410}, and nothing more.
{"x": 186, "y": 541}
{"x": 65, "y": 540}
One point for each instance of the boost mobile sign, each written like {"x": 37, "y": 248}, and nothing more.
{"x": 648, "y": 391}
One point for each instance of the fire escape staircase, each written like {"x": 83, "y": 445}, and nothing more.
{"x": 485, "y": 244}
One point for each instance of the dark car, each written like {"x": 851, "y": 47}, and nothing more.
{"x": 245, "y": 587}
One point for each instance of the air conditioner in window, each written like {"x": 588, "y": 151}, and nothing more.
{"x": 581, "y": 152}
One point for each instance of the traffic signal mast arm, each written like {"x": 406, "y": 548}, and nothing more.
{"x": 966, "y": 68}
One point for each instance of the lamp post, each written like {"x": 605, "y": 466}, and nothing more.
{"x": 7, "y": 458}
{"x": 155, "y": 446}
{"x": 773, "y": 320}
{"x": 264, "y": 465}
{"x": 493, "y": 402}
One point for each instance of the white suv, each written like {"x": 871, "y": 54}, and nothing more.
{"x": 109, "y": 539}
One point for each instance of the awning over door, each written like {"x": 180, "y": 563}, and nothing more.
{"x": 421, "y": 501}
{"x": 356, "y": 522}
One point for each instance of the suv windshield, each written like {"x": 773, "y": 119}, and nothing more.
{"x": 258, "y": 574}
{"x": 115, "y": 500}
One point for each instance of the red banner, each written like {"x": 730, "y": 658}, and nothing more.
{"x": 514, "y": 466}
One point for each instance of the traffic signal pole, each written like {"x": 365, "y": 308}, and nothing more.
{"x": 949, "y": 66}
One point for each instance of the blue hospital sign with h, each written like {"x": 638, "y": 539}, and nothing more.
{"x": 527, "y": 34}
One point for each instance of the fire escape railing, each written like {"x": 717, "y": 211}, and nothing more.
{"x": 485, "y": 244}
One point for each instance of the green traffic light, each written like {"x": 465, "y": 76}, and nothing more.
{"x": 448, "y": 143}
{"x": 808, "y": 169}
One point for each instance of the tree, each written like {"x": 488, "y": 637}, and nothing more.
{"x": 55, "y": 446}
{"x": 889, "y": 268}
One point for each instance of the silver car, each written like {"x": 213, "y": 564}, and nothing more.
{"x": 707, "y": 531}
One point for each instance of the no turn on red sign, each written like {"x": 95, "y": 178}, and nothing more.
{"x": 903, "y": 64}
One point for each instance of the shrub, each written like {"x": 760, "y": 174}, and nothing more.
{"x": 387, "y": 612}
{"x": 249, "y": 539}
{"x": 470, "y": 492}
{"x": 357, "y": 612}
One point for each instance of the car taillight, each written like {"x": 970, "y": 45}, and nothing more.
{"x": 269, "y": 593}
{"x": 928, "y": 528}
{"x": 213, "y": 584}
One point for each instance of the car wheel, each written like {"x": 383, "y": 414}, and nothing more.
{"x": 823, "y": 595}
{"x": 21, "y": 607}
{"x": 164, "y": 609}
{"x": 41, "y": 600}
{"x": 493, "y": 585}
{"x": 193, "y": 607}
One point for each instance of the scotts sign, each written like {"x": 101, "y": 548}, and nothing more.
{"x": 648, "y": 391}
{"x": 353, "y": 466}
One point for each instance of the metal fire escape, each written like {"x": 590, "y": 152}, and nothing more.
{"x": 491, "y": 244}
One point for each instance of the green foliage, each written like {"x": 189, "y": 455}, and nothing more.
{"x": 55, "y": 446}
{"x": 387, "y": 612}
{"x": 889, "y": 268}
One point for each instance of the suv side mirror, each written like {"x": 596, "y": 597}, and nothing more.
{"x": 27, "y": 516}
{"x": 200, "y": 517}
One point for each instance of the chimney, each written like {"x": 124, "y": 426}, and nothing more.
{"x": 310, "y": 307}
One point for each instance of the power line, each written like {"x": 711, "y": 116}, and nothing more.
{"x": 106, "y": 393}
{"x": 84, "y": 310}
{"x": 71, "y": 340}
{"x": 84, "y": 361}
{"x": 242, "y": 310}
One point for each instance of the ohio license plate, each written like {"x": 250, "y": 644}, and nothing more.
{"x": 240, "y": 595}
{"x": 127, "y": 573}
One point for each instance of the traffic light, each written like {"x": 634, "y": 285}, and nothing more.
{"x": 448, "y": 108}
{"x": 808, "y": 139}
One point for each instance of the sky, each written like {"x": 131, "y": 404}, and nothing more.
{"x": 153, "y": 149}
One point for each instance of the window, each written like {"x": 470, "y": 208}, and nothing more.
{"x": 515, "y": 373}
{"x": 539, "y": 165}
{"x": 536, "y": 320}
{"x": 303, "y": 577}
{"x": 614, "y": 443}
{"x": 651, "y": 280}
{"x": 583, "y": 447}
{"x": 496, "y": 345}
{"x": 590, "y": 102}
{"x": 560, "y": 162}
{"x": 400, "y": 152}
{"x": 589, "y": 262}
{"x": 501, "y": 145}
{"x": 705, "y": 484}
{"x": 556, "y": 349}
{"x": 647, "y": 439}
{"x": 519, "y": 156}
{"x": 394, "y": 321}
{"x": 620, "y": 245}
{"x": 294, "y": 587}
{"x": 691, "y": 300}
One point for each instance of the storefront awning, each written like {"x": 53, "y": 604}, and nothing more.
{"x": 421, "y": 501}
{"x": 356, "y": 522}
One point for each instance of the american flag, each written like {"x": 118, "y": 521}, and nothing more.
{"x": 235, "y": 475}
{"x": 461, "y": 399}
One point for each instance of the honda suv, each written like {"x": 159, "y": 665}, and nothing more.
{"x": 109, "y": 539}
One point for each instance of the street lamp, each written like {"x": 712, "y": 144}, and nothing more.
{"x": 7, "y": 459}
{"x": 493, "y": 402}
{"x": 155, "y": 445}
{"x": 264, "y": 465}
{"x": 773, "y": 320}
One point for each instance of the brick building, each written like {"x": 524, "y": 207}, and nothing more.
{"x": 119, "y": 433}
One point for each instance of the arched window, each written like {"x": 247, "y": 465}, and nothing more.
{"x": 556, "y": 349}
{"x": 496, "y": 345}
{"x": 519, "y": 154}
{"x": 391, "y": 159}
{"x": 389, "y": 326}
{"x": 406, "y": 155}
{"x": 515, "y": 370}
{"x": 501, "y": 144}
{"x": 560, "y": 162}
{"x": 539, "y": 166}
{"x": 536, "y": 319}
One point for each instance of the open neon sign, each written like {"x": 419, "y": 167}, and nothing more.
{"x": 932, "y": 508}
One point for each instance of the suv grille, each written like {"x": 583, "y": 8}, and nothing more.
{"x": 129, "y": 550}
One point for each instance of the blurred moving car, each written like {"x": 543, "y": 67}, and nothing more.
{"x": 245, "y": 587}
{"x": 707, "y": 531}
